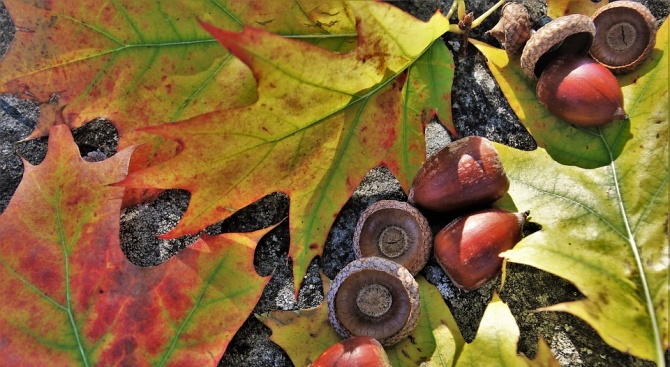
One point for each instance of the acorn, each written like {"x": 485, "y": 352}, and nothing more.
{"x": 572, "y": 86}
{"x": 468, "y": 248}
{"x": 581, "y": 91}
{"x": 354, "y": 352}
{"x": 394, "y": 230}
{"x": 625, "y": 36}
{"x": 465, "y": 174}
{"x": 513, "y": 29}
{"x": 374, "y": 297}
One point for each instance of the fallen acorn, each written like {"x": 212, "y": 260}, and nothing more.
{"x": 571, "y": 85}
{"x": 376, "y": 297}
{"x": 581, "y": 91}
{"x": 354, "y": 352}
{"x": 468, "y": 247}
{"x": 394, "y": 230}
{"x": 465, "y": 174}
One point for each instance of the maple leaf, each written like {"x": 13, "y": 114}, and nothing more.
{"x": 604, "y": 225}
{"x": 70, "y": 297}
{"x": 142, "y": 63}
{"x": 322, "y": 120}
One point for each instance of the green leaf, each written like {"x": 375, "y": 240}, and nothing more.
{"x": 436, "y": 341}
{"x": 429, "y": 85}
{"x": 605, "y": 228}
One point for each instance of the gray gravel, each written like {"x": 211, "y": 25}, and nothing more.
{"x": 478, "y": 108}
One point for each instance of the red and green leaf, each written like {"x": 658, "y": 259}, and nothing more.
{"x": 146, "y": 63}
{"x": 70, "y": 297}
{"x": 322, "y": 120}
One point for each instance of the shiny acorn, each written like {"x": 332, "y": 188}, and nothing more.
{"x": 354, "y": 352}
{"x": 468, "y": 247}
{"x": 581, "y": 91}
{"x": 572, "y": 86}
{"x": 465, "y": 174}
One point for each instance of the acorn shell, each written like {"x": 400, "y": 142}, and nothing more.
{"x": 625, "y": 36}
{"x": 394, "y": 230}
{"x": 567, "y": 35}
{"x": 513, "y": 29}
{"x": 390, "y": 315}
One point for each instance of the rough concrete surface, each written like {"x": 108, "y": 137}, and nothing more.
{"x": 479, "y": 108}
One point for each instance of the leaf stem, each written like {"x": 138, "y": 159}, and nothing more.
{"x": 660, "y": 356}
{"x": 483, "y": 17}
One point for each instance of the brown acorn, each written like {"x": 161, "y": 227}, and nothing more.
{"x": 354, "y": 352}
{"x": 513, "y": 29}
{"x": 465, "y": 174}
{"x": 572, "y": 86}
{"x": 374, "y": 297}
{"x": 468, "y": 247}
{"x": 394, "y": 230}
{"x": 581, "y": 92}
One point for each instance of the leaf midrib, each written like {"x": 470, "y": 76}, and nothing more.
{"x": 68, "y": 292}
{"x": 649, "y": 303}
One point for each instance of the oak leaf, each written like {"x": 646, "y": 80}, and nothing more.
{"x": 69, "y": 295}
{"x": 143, "y": 63}
{"x": 322, "y": 120}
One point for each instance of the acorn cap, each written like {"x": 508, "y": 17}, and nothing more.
{"x": 567, "y": 35}
{"x": 513, "y": 29}
{"x": 626, "y": 35}
{"x": 374, "y": 297}
{"x": 394, "y": 230}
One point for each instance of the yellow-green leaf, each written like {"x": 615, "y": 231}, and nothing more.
{"x": 496, "y": 339}
{"x": 605, "y": 228}
{"x": 429, "y": 85}
{"x": 436, "y": 341}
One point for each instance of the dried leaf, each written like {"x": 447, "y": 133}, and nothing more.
{"x": 145, "y": 63}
